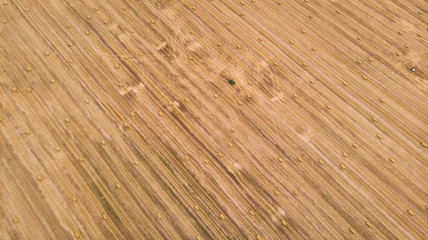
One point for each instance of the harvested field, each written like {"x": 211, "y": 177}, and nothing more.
{"x": 120, "y": 120}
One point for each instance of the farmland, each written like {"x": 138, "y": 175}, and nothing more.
{"x": 213, "y": 119}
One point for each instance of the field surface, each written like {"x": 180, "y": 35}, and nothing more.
{"x": 118, "y": 121}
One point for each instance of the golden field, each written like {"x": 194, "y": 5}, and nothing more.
{"x": 117, "y": 120}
